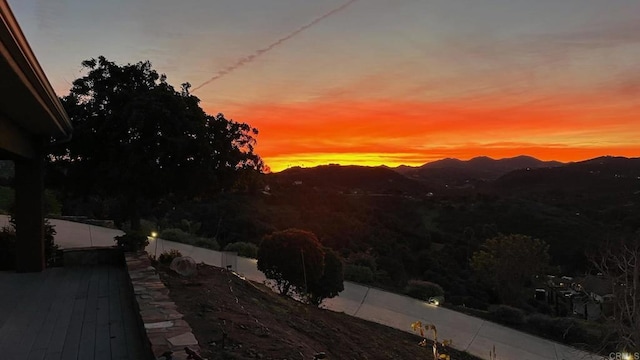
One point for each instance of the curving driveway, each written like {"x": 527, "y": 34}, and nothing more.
{"x": 468, "y": 333}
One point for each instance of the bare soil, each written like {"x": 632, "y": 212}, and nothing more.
{"x": 239, "y": 319}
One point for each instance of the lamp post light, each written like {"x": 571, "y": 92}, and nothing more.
{"x": 154, "y": 236}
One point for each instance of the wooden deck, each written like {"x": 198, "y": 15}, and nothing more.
{"x": 69, "y": 313}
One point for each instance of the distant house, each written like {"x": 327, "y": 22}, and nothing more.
{"x": 563, "y": 282}
{"x": 297, "y": 182}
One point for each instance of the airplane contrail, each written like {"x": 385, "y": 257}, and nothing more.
{"x": 247, "y": 59}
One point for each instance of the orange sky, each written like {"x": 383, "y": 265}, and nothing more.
{"x": 563, "y": 127}
{"x": 375, "y": 82}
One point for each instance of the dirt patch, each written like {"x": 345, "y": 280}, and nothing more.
{"x": 238, "y": 319}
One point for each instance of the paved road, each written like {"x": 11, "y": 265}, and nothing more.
{"x": 468, "y": 333}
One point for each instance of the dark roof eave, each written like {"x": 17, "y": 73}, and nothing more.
{"x": 23, "y": 62}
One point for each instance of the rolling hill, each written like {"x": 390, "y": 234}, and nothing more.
{"x": 454, "y": 172}
{"x": 349, "y": 179}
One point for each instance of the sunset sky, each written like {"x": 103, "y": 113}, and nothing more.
{"x": 374, "y": 82}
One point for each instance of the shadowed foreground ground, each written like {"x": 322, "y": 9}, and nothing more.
{"x": 237, "y": 319}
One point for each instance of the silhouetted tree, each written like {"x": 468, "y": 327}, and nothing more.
{"x": 508, "y": 262}
{"x": 136, "y": 137}
{"x": 332, "y": 281}
{"x": 281, "y": 257}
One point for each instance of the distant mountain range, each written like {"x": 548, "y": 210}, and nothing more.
{"x": 458, "y": 172}
{"x": 518, "y": 174}
{"x": 615, "y": 179}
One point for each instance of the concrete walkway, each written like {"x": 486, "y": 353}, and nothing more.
{"x": 468, "y": 333}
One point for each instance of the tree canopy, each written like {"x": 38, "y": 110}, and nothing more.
{"x": 298, "y": 264}
{"x": 332, "y": 280}
{"x": 137, "y": 137}
{"x": 508, "y": 262}
{"x": 281, "y": 257}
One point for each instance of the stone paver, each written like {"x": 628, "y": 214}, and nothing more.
{"x": 165, "y": 327}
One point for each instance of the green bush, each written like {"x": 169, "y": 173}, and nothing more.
{"x": 52, "y": 205}
{"x": 50, "y": 248}
{"x": 181, "y": 236}
{"x": 475, "y": 303}
{"x": 568, "y": 330}
{"x": 147, "y": 226}
{"x": 206, "y": 243}
{"x": 363, "y": 259}
{"x": 177, "y": 235}
{"x": 507, "y": 315}
{"x": 542, "y": 324}
{"x": 8, "y": 246}
{"x": 6, "y": 198}
{"x": 167, "y": 256}
{"x": 358, "y": 273}
{"x": 245, "y": 249}
{"x": 423, "y": 290}
{"x": 133, "y": 241}
{"x": 191, "y": 227}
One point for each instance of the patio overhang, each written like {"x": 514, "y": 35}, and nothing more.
{"x": 30, "y": 116}
{"x": 29, "y": 107}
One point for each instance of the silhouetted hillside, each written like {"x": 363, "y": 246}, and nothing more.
{"x": 608, "y": 174}
{"x": 454, "y": 172}
{"x": 349, "y": 179}
{"x": 606, "y": 190}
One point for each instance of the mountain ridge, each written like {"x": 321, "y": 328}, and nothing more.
{"x": 444, "y": 173}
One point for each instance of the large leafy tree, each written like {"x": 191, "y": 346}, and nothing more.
{"x": 300, "y": 265}
{"x": 136, "y": 137}
{"x": 293, "y": 258}
{"x": 508, "y": 262}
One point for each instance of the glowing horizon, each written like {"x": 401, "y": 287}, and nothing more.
{"x": 371, "y": 134}
{"x": 567, "y": 155}
{"x": 377, "y": 82}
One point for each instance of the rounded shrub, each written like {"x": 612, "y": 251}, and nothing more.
{"x": 7, "y": 248}
{"x": 167, "y": 256}
{"x": 542, "y": 324}
{"x": 177, "y": 235}
{"x": 206, "y": 243}
{"x": 507, "y": 315}
{"x": 133, "y": 241}
{"x": 475, "y": 302}
{"x": 568, "y": 330}
{"x": 358, "y": 273}
{"x": 245, "y": 249}
{"x": 423, "y": 290}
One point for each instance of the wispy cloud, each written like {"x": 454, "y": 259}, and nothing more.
{"x": 250, "y": 58}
